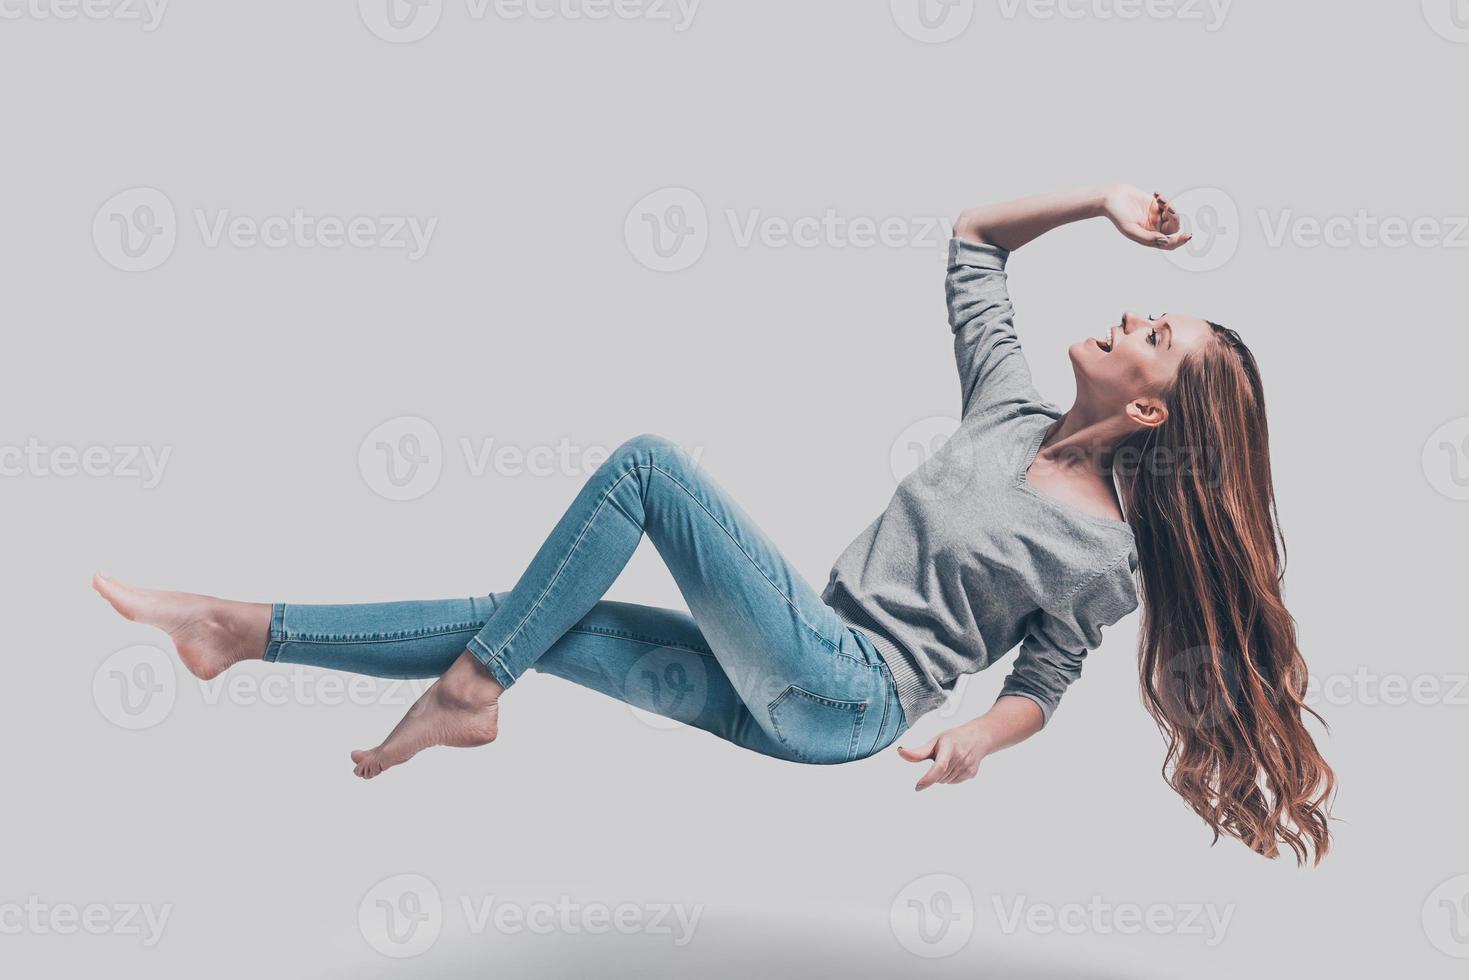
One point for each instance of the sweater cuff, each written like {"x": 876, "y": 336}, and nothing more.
{"x": 1048, "y": 708}
{"x": 963, "y": 252}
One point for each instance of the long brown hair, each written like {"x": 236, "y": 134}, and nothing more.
{"x": 1221, "y": 672}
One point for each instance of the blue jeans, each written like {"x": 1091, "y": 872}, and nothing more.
{"x": 762, "y": 662}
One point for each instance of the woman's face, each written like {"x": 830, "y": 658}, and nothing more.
{"x": 1135, "y": 360}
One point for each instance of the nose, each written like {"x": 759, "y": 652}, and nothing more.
{"x": 1131, "y": 321}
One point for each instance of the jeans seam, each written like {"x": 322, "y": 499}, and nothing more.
{"x": 753, "y": 563}
{"x": 581, "y": 535}
{"x": 650, "y": 641}
{"x": 858, "y": 707}
{"x": 496, "y": 666}
{"x": 330, "y": 638}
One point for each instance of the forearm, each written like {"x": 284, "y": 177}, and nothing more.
{"x": 1014, "y": 223}
{"x": 1011, "y": 720}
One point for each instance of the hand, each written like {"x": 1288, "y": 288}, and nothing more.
{"x": 956, "y": 754}
{"x": 1147, "y": 220}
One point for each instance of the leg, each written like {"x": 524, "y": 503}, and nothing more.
{"x": 654, "y": 659}
{"x": 816, "y": 687}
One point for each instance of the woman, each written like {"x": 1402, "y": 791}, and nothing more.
{"x": 1026, "y": 529}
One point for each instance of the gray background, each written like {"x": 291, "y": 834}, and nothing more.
{"x": 795, "y": 370}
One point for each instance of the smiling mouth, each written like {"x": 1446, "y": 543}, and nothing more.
{"x": 1105, "y": 343}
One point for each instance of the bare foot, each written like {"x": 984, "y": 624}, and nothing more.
{"x": 211, "y": 634}
{"x": 461, "y": 709}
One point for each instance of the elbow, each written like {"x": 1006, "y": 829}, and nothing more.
{"x": 965, "y": 225}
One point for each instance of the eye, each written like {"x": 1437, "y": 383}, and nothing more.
{"x": 1153, "y": 337}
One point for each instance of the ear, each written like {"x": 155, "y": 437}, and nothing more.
{"x": 1147, "y": 412}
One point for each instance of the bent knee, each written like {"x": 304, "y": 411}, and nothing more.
{"x": 645, "y": 449}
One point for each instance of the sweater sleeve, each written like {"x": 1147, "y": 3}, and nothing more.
{"x": 992, "y": 369}
{"x": 1057, "y": 641}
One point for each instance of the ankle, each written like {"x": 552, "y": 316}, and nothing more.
{"x": 470, "y": 682}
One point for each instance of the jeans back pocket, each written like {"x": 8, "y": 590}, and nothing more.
{"x": 818, "y": 730}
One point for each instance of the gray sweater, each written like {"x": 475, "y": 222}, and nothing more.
{"x": 969, "y": 559}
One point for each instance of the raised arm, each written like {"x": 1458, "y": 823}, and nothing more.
{"x": 1146, "y": 219}
{"x": 993, "y": 375}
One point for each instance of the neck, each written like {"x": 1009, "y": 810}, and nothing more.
{"x": 1084, "y": 439}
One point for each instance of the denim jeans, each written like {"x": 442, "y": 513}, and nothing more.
{"x": 762, "y": 662}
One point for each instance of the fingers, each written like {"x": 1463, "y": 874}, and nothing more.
{"x": 1140, "y": 234}
{"x": 1165, "y": 215}
{"x": 919, "y": 754}
{"x": 1165, "y": 240}
{"x": 938, "y": 771}
{"x": 1174, "y": 241}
